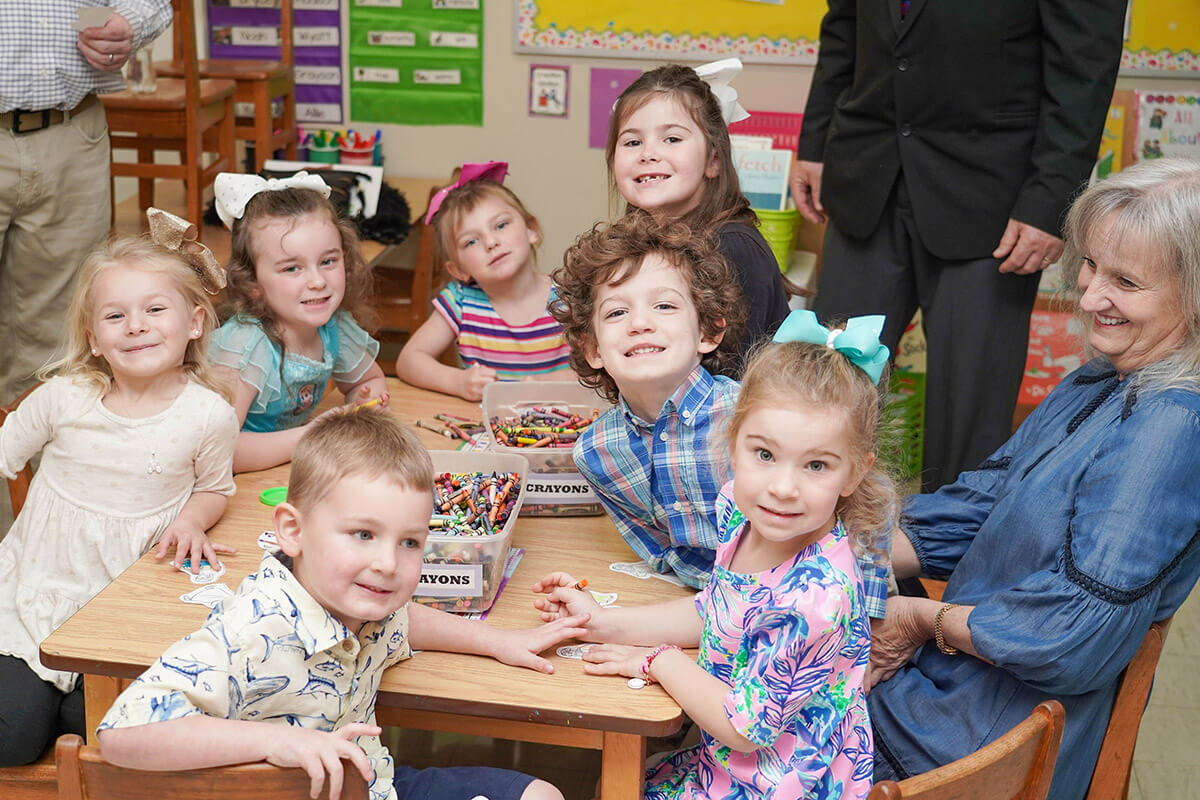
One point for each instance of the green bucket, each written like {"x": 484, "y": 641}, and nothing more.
{"x": 779, "y": 229}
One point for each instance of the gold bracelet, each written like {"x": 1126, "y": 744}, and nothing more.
{"x": 938, "y": 635}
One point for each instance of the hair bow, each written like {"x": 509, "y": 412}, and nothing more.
{"x": 233, "y": 191}
{"x": 176, "y": 233}
{"x": 484, "y": 171}
{"x": 859, "y": 341}
{"x": 718, "y": 74}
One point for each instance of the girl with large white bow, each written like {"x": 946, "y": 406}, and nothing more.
{"x": 669, "y": 155}
{"x": 297, "y": 282}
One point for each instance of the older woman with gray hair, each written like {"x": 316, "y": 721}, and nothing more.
{"x": 1070, "y": 540}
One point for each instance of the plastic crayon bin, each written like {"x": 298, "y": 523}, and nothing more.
{"x": 555, "y": 487}
{"x": 463, "y": 573}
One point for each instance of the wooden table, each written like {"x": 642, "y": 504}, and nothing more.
{"x": 123, "y": 629}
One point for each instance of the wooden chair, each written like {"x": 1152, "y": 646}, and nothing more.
{"x": 186, "y": 115}
{"x": 36, "y": 781}
{"x": 1110, "y": 779}
{"x": 258, "y": 83}
{"x": 83, "y": 773}
{"x": 403, "y": 296}
{"x": 1017, "y": 766}
{"x": 18, "y": 487}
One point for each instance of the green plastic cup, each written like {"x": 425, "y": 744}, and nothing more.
{"x": 779, "y": 228}
{"x": 330, "y": 154}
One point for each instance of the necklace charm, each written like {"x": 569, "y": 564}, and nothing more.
{"x": 153, "y": 468}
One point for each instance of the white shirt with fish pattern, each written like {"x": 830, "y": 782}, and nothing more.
{"x": 271, "y": 653}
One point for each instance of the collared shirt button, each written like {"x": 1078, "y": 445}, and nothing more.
{"x": 347, "y": 645}
{"x": 903, "y": 65}
{"x": 687, "y": 414}
{"x": 906, "y": 130}
{"x": 678, "y": 506}
{"x": 663, "y": 436}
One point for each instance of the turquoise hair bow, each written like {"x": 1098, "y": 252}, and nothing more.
{"x": 859, "y": 342}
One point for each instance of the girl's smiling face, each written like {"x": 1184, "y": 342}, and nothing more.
{"x": 493, "y": 243}
{"x": 661, "y": 159}
{"x": 300, "y": 269}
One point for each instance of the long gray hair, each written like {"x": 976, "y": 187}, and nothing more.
{"x": 1157, "y": 203}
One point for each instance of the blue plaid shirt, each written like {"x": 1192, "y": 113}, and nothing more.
{"x": 660, "y": 480}
{"x": 40, "y": 66}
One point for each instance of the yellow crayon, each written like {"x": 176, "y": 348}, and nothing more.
{"x": 377, "y": 401}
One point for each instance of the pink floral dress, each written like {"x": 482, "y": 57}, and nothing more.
{"x": 792, "y": 643}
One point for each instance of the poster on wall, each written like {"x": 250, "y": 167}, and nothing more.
{"x": 1168, "y": 124}
{"x": 696, "y": 30}
{"x": 548, "y": 87}
{"x": 416, "y": 62}
{"x": 250, "y": 30}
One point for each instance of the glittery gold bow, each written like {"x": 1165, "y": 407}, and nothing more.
{"x": 176, "y": 233}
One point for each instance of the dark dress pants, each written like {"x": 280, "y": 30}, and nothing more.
{"x": 976, "y": 322}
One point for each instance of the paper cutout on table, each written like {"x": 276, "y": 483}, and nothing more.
{"x": 636, "y": 683}
{"x": 208, "y": 595}
{"x": 641, "y": 570}
{"x": 574, "y": 651}
{"x": 207, "y": 574}
{"x": 88, "y": 17}
{"x": 604, "y": 599}
{"x": 268, "y": 542}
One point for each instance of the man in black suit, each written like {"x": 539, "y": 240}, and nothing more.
{"x": 944, "y": 140}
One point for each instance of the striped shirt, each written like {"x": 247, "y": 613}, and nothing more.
{"x": 514, "y": 351}
{"x": 40, "y": 66}
{"x": 659, "y": 481}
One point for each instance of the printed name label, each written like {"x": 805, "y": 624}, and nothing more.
{"x": 380, "y": 3}
{"x": 254, "y": 36}
{"x": 465, "y": 5}
{"x": 256, "y": 4}
{"x": 325, "y": 36}
{"x": 451, "y": 580}
{"x": 377, "y": 74}
{"x": 314, "y": 5}
{"x": 559, "y": 489}
{"x": 318, "y": 76}
{"x": 444, "y": 77}
{"x": 392, "y": 38}
{"x": 447, "y": 39}
{"x": 319, "y": 112}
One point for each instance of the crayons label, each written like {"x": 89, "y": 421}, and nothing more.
{"x": 392, "y": 38}
{"x": 465, "y": 5}
{"x": 561, "y": 489}
{"x": 448, "y": 39}
{"x": 445, "y": 77}
{"x": 324, "y": 36}
{"x": 318, "y": 76}
{"x": 451, "y": 580}
{"x": 376, "y": 74}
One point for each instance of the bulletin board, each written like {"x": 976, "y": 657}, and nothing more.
{"x": 1162, "y": 39}
{"x": 757, "y": 31}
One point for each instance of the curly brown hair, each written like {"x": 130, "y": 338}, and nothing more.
{"x": 790, "y": 374}
{"x": 461, "y": 201}
{"x": 245, "y": 296}
{"x": 722, "y": 199}
{"x": 610, "y": 254}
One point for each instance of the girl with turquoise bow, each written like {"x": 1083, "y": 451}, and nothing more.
{"x": 782, "y": 626}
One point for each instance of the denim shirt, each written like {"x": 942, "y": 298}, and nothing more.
{"x": 1070, "y": 541}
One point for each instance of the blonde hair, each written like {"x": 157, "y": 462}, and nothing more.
{"x": 784, "y": 375}
{"x": 369, "y": 443}
{"x": 462, "y": 200}
{"x": 75, "y": 358}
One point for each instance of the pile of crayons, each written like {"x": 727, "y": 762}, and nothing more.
{"x": 351, "y": 139}
{"x": 453, "y": 427}
{"x": 541, "y": 427}
{"x": 473, "y": 503}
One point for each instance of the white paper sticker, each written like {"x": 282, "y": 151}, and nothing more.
{"x": 91, "y": 18}
{"x": 451, "y": 580}
{"x": 323, "y": 36}
{"x": 319, "y": 112}
{"x": 380, "y": 3}
{"x": 318, "y": 76}
{"x": 377, "y": 74}
{"x": 263, "y": 37}
{"x": 392, "y": 38}
{"x": 464, "y": 5}
{"x": 448, "y": 39}
{"x": 445, "y": 77}
{"x": 314, "y": 5}
{"x": 256, "y": 4}
{"x": 567, "y": 489}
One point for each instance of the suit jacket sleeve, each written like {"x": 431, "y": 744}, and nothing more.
{"x": 1081, "y": 50}
{"x": 834, "y": 72}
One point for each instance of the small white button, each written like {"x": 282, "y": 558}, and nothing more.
{"x": 687, "y": 414}
{"x": 678, "y": 506}
{"x": 663, "y": 436}
{"x": 635, "y": 683}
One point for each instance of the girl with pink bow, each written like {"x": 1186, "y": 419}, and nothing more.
{"x": 495, "y": 306}
{"x": 299, "y": 287}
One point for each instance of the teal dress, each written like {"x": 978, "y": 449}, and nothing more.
{"x": 289, "y": 387}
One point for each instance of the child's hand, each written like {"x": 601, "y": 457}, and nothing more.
{"x": 190, "y": 542}
{"x": 374, "y": 389}
{"x": 615, "y": 659}
{"x": 472, "y": 380}
{"x": 520, "y": 648}
{"x": 321, "y": 752}
{"x": 561, "y": 599}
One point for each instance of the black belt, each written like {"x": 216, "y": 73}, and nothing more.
{"x": 21, "y": 121}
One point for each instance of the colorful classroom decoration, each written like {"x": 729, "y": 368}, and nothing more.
{"x": 699, "y": 30}
{"x": 1162, "y": 38}
{"x": 416, "y": 62}
{"x": 250, "y": 30}
{"x": 1168, "y": 124}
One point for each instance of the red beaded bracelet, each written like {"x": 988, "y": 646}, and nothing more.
{"x": 649, "y": 659}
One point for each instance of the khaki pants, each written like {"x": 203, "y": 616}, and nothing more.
{"x": 55, "y": 207}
